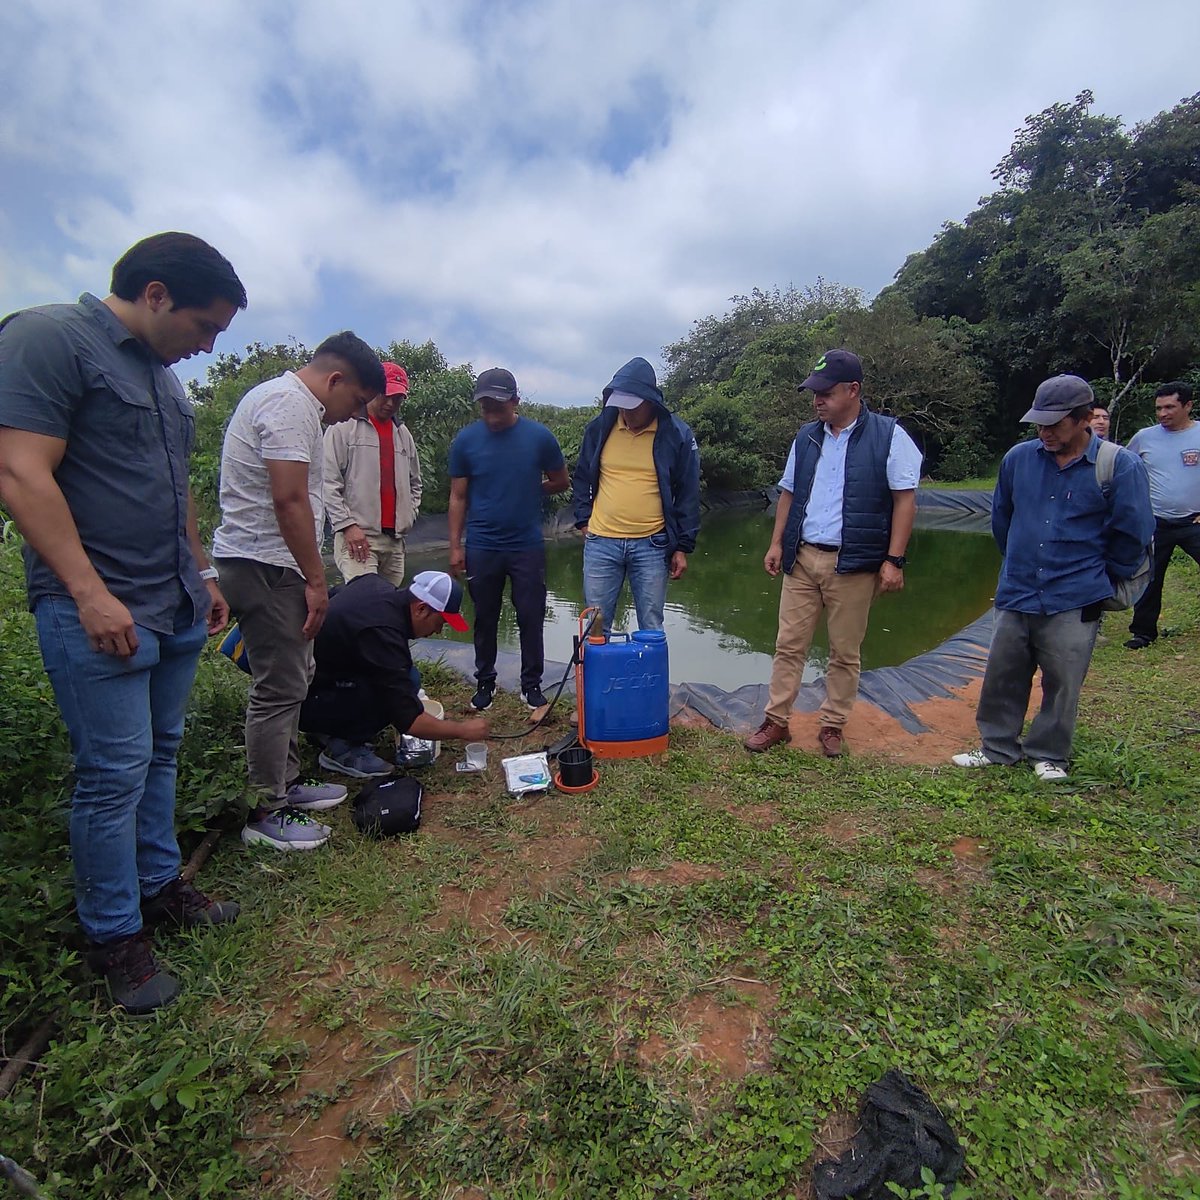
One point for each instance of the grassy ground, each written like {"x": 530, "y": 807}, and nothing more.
{"x": 679, "y": 984}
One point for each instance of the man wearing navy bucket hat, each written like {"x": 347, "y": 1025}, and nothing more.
{"x": 636, "y": 497}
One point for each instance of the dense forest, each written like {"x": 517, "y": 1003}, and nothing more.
{"x": 1086, "y": 258}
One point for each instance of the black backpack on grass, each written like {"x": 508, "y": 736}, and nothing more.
{"x": 386, "y": 807}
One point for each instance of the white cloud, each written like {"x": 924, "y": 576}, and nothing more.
{"x": 434, "y": 169}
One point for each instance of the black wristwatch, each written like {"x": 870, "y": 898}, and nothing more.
{"x": 897, "y": 560}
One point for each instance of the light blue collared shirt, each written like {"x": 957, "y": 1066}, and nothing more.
{"x": 823, "y": 516}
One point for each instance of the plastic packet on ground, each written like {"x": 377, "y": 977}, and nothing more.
{"x": 527, "y": 773}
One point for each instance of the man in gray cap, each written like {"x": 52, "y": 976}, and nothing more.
{"x": 1065, "y": 538}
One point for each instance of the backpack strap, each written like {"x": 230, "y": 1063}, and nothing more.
{"x": 1106, "y": 461}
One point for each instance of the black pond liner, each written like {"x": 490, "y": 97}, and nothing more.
{"x": 933, "y": 675}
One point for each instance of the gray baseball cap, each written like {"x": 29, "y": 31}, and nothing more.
{"x": 1058, "y": 396}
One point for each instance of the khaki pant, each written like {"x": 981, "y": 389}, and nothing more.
{"x": 385, "y": 559}
{"x": 813, "y": 586}
{"x": 270, "y": 608}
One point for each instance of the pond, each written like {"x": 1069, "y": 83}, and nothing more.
{"x": 721, "y": 616}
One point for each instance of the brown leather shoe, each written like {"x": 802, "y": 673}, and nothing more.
{"x": 768, "y": 734}
{"x": 830, "y": 737}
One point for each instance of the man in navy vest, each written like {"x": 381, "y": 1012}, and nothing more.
{"x": 845, "y": 514}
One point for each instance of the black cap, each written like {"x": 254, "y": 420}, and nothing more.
{"x": 834, "y": 367}
{"x": 496, "y": 384}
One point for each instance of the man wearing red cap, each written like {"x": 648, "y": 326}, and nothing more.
{"x": 373, "y": 485}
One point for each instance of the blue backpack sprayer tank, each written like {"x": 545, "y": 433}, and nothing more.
{"x": 622, "y": 690}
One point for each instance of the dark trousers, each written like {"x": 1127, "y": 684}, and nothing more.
{"x": 343, "y": 708}
{"x": 352, "y": 709}
{"x": 1167, "y": 535}
{"x": 487, "y": 571}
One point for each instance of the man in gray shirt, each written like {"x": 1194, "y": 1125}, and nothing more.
{"x": 1171, "y": 452}
{"x": 267, "y": 549}
{"x": 95, "y": 435}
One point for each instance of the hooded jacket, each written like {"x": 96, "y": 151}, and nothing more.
{"x": 676, "y": 459}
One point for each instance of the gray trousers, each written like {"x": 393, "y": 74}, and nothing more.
{"x": 1021, "y": 642}
{"x": 269, "y": 605}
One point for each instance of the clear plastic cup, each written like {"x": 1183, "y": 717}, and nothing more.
{"x": 476, "y": 754}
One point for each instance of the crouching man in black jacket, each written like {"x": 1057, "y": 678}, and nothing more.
{"x": 365, "y": 679}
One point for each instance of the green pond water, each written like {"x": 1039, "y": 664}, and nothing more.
{"x": 721, "y": 616}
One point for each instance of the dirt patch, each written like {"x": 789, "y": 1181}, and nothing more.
{"x": 482, "y": 908}
{"x": 757, "y": 816}
{"x": 847, "y": 827}
{"x": 969, "y": 859}
{"x": 836, "y": 1133}
{"x": 1156, "y": 1108}
{"x": 554, "y": 855}
{"x": 949, "y": 722}
{"x": 678, "y": 874}
{"x": 339, "y": 1086}
{"x": 734, "y": 1039}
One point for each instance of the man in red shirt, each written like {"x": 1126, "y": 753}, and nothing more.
{"x": 373, "y": 485}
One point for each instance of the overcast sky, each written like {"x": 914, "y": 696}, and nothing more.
{"x": 553, "y": 186}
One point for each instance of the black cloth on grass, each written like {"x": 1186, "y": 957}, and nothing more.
{"x": 900, "y": 1131}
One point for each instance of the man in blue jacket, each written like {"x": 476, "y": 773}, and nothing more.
{"x": 846, "y": 506}
{"x": 1064, "y": 538}
{"x": 636, "y": 496}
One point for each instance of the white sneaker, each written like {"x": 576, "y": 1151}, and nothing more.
{"x": 973, "y": 758}
{"x": 1049, "y": 772}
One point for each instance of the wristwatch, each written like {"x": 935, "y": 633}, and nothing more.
{"x": 897, "y": 560}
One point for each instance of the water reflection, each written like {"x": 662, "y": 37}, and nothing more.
{"x": 720, "y": 617}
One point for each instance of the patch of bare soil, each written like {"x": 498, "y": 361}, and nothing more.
{"x": 1156, "y": 1107}
{"x": 339, "y": 1087}
{"x": 847, "y": 827}
{"x": 757, "y": 816}
{"x": 969, "y": 859}
{"x": 949, "y": 722}
{"x": 734, "y": 1039}
{"x": 677, "y": 874}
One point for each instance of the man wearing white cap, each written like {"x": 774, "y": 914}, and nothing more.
{"x": 365, "y": 679}
{"x": 1065, "y": 538}
{"x": 373, "y": 484}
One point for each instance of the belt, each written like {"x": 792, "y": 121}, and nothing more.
{"x": 823, "y": 548}
{"x": 389, "y": 532}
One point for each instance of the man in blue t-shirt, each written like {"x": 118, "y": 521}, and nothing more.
{"x": 501, "y": 468}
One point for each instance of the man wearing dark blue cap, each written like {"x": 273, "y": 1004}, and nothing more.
{"x": 1065, "y": 536}
{"x": 636, "y": 497}
{"x": 501, "y": 469}
{"x": 846, "y": 507}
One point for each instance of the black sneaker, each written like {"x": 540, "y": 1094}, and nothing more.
{"x": 483, "y": 697}
{"x": 1137, "y": 642}
{"x": 534, "y": 698}
{"x": 135, "y": 981}
{"x": 187, "y": 907}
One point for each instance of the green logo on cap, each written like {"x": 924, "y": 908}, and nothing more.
{"x": 820, "y": 364}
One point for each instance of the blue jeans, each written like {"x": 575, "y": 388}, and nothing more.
{"x": 125, "y": 718}
{"x": 608, "y": 562}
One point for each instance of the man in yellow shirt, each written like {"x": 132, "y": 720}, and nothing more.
{"x": 636, "y": 496}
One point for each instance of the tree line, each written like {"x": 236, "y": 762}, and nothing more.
{"x": 1086, "y": 258}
